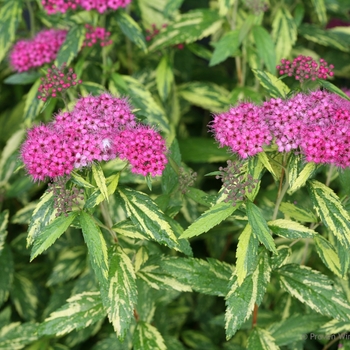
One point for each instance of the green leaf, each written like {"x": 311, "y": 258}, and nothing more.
{"x": 97, "y": 250}
{"x": 22, "y": 78}
{"x": 122, "y": 291}
{"x": 246, "y": 254}
{"x": 290, "y": 229}
{"x": 297, "y": 213}
{"x": 200, "y": 51}
{"x": 6, "y": 273}
{"x": 80, "y": 181}
{"x": 320, "y": 10}
{"x": 227, "y": 46}
{"x": 266, "y": 47}
{"x": 16, "y": 336}
{"x": 33, "y": 105}
{"x": 261, "y": 339}
{"x": 79, "y": 312}
{"x": 259, "y": 226}
{"x": 51, "y": 233}
{"x": 205, "y": 95}
{"x": 331, "y": 211}
{"x": 275, "y": 87}
{"x": 210, "y": 218}
{"x": 100, "y": 179}
{"x": 325, "y": 37}
{"x": 315, "y": 290}
{"x": 141, "y": 98}
{"x": 70, "y": 263}
{"x": 10, "y": 14}
{"x": 241, "y": 298}
{"x": 4, "y": 218}
{"x": 71, "y": 46}
{"x": 332, "y": 88}
{"x": 225, "y": 6}
{"x": 328, "y": 255}
{"x": 164, "y": 78}
{"x": 147, "y": 217}
{"x": 147, "y": 337}
{"x": 172, "y": 6}
{"x": 131, "y": 29}
{"x": 284, "y": 32}
{"x": 43, "y": 215}
{"x": 190, "y": 27}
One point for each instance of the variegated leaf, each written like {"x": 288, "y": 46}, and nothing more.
{"x": 315, "y": 290}
{"x": 290, "y": 229}
{"x": 100, "y": 179}
{"x": 261, "y": 339}
{"x": 122, "y": 292}
{"x": 79, "y": 312}
{"x": 331, "y": 211}
{"x": 51, "y": 233}
{"x": 16, "y": 336}
{"x": 33, "y": 105}
{"x": 190, "y": 27}
{"x": 240, "y": 299}
{"x": 297, "y": 213}
{"x": 275, "y": 87}
{"x": 6, "y": 273}
{"x": 4, "y": 217}
{"x": 321, "y": 11}
{"x": 147, "y": 337}
{"x": 164, "y": 78}
{"x": 332, "y": 88}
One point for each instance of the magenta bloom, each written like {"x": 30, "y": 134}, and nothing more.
{"x": 242, "y": 129}
{"x": 96, "y": 35}
{"x": 144, "y": 148}
{"x": 27, "y": 54}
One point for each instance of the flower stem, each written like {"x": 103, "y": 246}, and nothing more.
{"x": 282, "y": 190}
{"x": 108, "y": 220}
{"x": 330, "y": 174}
{"x": 31, "y": 18}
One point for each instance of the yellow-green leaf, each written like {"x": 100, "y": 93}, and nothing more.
{"x": 100, "y": 179}
{"x": 164, "y": 78}
{"x": 275, "y": 87}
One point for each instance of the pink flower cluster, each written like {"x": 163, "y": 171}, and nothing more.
{"x": 27, "y": 54}
{"x": 96, "y": 35}
{"x": 315, "y": 124}
{"x": 305, "y": 68}
{"x": 99, "y": 128}
{"x": 54, "y": 6}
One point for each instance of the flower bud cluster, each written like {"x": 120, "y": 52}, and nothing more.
{"x": 315, "y": 124}
{"x": 235, "y": 183}
{"x": 54, "y": 6}
{"x": 96, "y": 35}
{"x": 27, "y": 54}
{"x": 99, "y": 128}
{"x": 186, "y": 180}
{"x": 56, "y": 81}
{"x": 305, "y": 68}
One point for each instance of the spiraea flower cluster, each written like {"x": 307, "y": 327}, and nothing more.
{"x": 33, "y": 53}
{"x": 99, "y": 128}
{"x": 316, "y": 125}
{"x": 305, "y": 68}
{"x": 56, "y": 81}
{"x": 54, "y": 6}
{"x": 96, "y": 35}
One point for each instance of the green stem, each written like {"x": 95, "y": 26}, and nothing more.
{"x": 108, "y": 220}
{"x": 31, "y": 18}
{"x": 330, "y": 174}
{"x": 282, "y": 191}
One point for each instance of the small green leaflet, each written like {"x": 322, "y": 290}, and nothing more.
{"x": 70, "y": 263}
{"x": 246, "y": 254}
{"x": 22, "y": 78}
{"x": 164, "y": 78}
{"x": 284, "y": 252}
{"x": 199, "y": 50}
{"x": 147, "y": 337}
{"x": 290, "y": 229}
{"x": 172, "y": 6}
{"x": 10, "y": 14}
{"x": 321, "y": 11}
{"x": 315, "y": 290}
{"x": 275, "y": 87}
{"x": 4, "y": 217}
{"x": 6, "y": 273}
{"x": 297, "y": 213}
{"x": 241, "y": 298}
{"x": 332, "y": 88}
{"x": 131, "y": 29}
{"x": 261, "y": 339}
{"x": 122, "y": 292}
{"x": 100, "y": 179}
{"x": 328, "y": 255}
{"x": 284, "y": 32}
{"x": 334, "y": 327}
{"x": 43, "y": 215}
{"x": 128, "y": 229}
{"x": 206, "y": 95}
{"x": 227, "y": 46}
{"x": 259, "y": 226}
{"x": 16, "y": 336}
{"x": 324, "y": 37}
{"x": 80, "y": 181}
{"x": 225, "y": 6}
{"x": 51, "y": 233}
{"x": 33, "y": 105}
{"x": 97, "y": 249}
{"x": 331, "y": 211}
{"x": 79, "y": 312}
{"x": 210, "y": 218}
{"x": 141, "y": 98}
{"x": 266, "y": 47}
{"x": 71, "y": 46}
{"x": 190, "y": 27}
